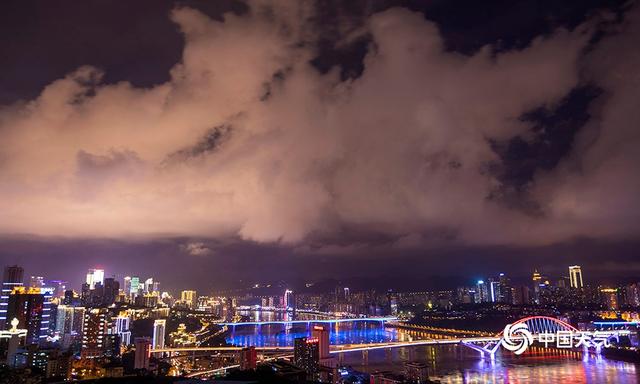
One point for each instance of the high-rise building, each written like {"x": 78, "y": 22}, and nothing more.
{"x": 575, "y": 276}
{"x": 482, "y": 292}
{"x": 159, "y": 329}
{"x": 248, "y": 358}
{"x": 126, "y": 285}
{"x": 12, "y": 278}
{"x": 321, "y": 334}
{"x": 610, "y": 298}
{"x": 143, "y": 352}
{"x": 188, "y": 298}
{"x": 306, "y": 355}
{"x": 494, "y": 291}
{"x": 31, "y": 306}
{"x": 121, "y": 328}
{"x": 287, "y": 300}
{"x": 69, "y": 322}
{"x": 505, "y": 295}
{"x": 521, "y": 295}
{"x": 94, "y": 332}
{"x": 95, "y": 276}
{"x": 537, "y": 277}
{"x": 135, "y": 285}
{"x": 110, "y": 291}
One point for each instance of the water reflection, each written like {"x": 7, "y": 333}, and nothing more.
{"x": 450, "y": 364}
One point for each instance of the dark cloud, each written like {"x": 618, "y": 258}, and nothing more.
{"x": 400, "y": 129}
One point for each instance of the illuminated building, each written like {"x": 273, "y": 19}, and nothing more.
{"x": 306, "y": 355}
{"x": 188, "y": 298}
{"x": 95, "y": 276}
{"x": 126, "y": 285}
{"x": 536, "y": 276}
{"x": 320, "y": 333}
{"x": 494, "y": 291}
{"x": 482, "y": 292}
{"x": 505, "y": 289}
{"x": 135, "y": 285}
{"x": 182, "y": 338}
{"x": 36, "y": 282}
{"x": 148, "y": 285}
{"x": 416, "y": 372}
{"x": 14, "y": 334}
{"x": 159, "y": 328}
{"x": 58, "y": 286}
{"x": 12, "y": 278}
{"x": 575, "y": 276}
{"x": 143, "y": 352}
{"x": 94, "y": 333}
{"x": 69, "y": 322}
{"x": 31, "y": 306}
{"x": 287, "y": 300}
{"x": 248, "y": 358}
{"x": 610, "y": 298}
{"x": 121, "y": 328}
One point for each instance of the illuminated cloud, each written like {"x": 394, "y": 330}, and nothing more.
{"x": 248, "y": 139}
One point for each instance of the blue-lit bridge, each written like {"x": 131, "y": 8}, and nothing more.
{"x": 312, "y": 321}
{"x": 516, "y": 337}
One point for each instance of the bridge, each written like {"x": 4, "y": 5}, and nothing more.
{"x": 312, "y": 321}
{"x": 516, "y": 337}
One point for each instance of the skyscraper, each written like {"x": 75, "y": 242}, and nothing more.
{"x": 111, "y": 289}
{"x": 126, "y": 285}
{"x": 159, "y": 328}
{"x": 94, "y": 332}
{"x": 306, "y": 355}
{"x": 12, "y": 278}
{"x": 575, "y": 276}
{"x": 482, "y": 292}
{"x": 288, "y": 301}
{"x": 320, "y": 333}
{"x": 31, "y": 307}
{"x": 95, "y": 276}
{"x": 188, "y": 298}
{"x": 121, "y": 328}
{"x": 69, "y": 322}
{"x": 135, "y": 285}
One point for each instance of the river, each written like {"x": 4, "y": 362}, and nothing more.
{"x": 450, "y": 364}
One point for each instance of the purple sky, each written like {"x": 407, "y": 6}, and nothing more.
{"x": 234, "y": 138}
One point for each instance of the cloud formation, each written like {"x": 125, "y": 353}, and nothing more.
{"x": 249, "y": 139}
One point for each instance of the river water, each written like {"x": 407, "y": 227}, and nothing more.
{"x": 450, "y": 364}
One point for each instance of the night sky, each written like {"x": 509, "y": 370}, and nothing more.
{"x": 387, "y": 143}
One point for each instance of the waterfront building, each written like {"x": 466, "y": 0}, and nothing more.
{"x": 306, "y": 355}
{"x": 248, "y": 358}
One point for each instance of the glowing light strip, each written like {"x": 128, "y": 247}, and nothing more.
{"x": 383, "y": 319}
